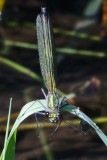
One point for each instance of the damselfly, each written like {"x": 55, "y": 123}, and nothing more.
{"x": 46, "y": 58}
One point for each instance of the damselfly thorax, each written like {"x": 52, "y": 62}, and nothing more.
{"x": 53, "y": 100}
{"x": 53, "y": 106}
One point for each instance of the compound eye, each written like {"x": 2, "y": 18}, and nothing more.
{"x": 47, "y": 114}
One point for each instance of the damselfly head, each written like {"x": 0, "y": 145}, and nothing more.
{"x": 54, "y": 117}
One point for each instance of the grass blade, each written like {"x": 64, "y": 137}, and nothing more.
{"x": 71, "y": 51}
{"x": 7, "y": 130}
{"x": 20, "y": 68}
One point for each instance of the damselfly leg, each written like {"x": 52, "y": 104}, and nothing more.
{"x": 68, "y": 103}
{"x": 44, "y": 93}
{"x": 64, "y": 98}
{"x": 61, "y": 119}
{"x": 30, "y": 108}
{"x": 42, "y": 105}
{"x": 70, "y": 125}
{"x": 40, "y": 113}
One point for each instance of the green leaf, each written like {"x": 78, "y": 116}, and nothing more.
{"x": 10, "y": 148}
{"x": 29, "y": 109}
{"x": 84, "y": 117}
